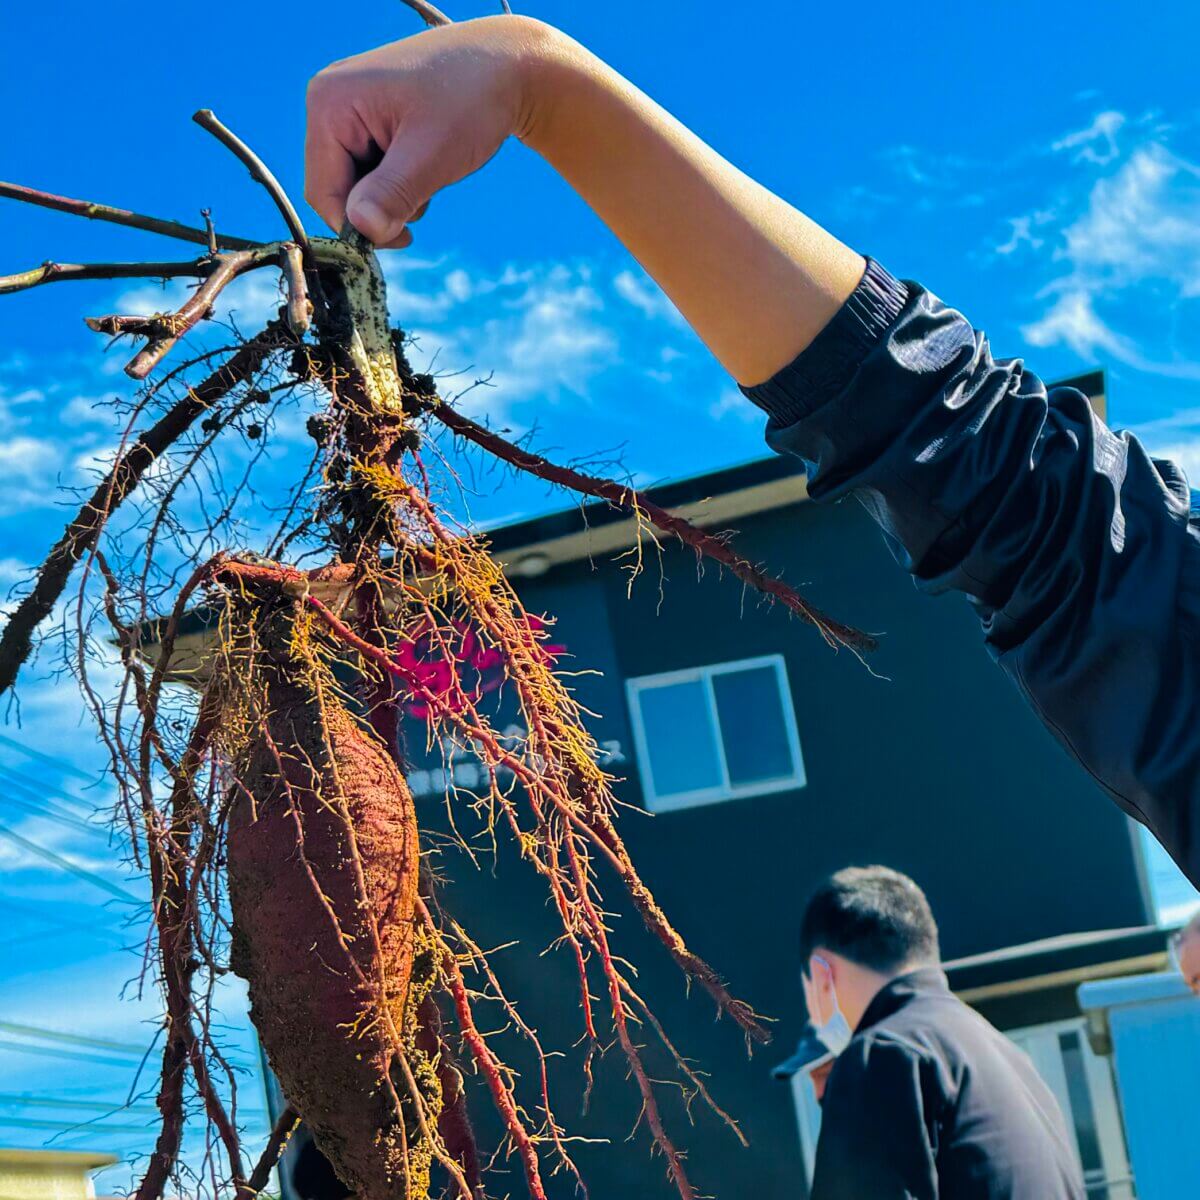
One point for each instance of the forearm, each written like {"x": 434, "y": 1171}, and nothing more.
{"x": 756, "y": 279}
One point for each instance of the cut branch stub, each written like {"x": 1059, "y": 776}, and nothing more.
{"x": 299, "y": 306}
{"x": 259, "y": 172}
{"x": 165, "y": 329}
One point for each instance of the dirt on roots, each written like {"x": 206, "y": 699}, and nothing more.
{"x": 323, "y": 865}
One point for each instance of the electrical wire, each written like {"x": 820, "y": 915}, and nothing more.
{"x": 12, "y": 1099}
{"x": 73, "y": 1039}
{"x": 41, "y": 788}
{"x": 35, "y": 1123}
{"x": 52, "y": 918}
{"x": 65, "y": 767}
{"x": 46, "y": 814}
{"x": 70, "y": 1055}
{"x": 65, "y": 864}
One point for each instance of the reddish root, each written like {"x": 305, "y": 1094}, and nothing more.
{"x": 706, "y": 545}
{"x": 493, "y": 1071}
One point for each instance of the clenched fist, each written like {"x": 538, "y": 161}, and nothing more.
{"x": 390, "y": 128}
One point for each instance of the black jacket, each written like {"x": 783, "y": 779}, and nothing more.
{"x": 1080, "y": 552}
{"x": 930, "y": 1102}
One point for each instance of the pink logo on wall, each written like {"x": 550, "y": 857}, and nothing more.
{"x": 452, "y": 663}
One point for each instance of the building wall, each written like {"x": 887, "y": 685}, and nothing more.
{"x": 932, "y": 765}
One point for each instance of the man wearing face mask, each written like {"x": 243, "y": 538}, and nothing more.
{"x": 1185, "y": 953}
{"x": 926, "y": 1100}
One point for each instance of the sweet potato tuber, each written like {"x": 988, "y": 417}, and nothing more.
{"x": 323, "y": 867}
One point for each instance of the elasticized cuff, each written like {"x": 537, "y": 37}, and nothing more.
{"x": 824, "y": 369}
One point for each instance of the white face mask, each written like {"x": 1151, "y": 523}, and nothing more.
{"x": 834, "y": 1034}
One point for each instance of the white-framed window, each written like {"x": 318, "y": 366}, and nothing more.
{"x": 715, "y": 733}
{"x": 1083, "y": 1084}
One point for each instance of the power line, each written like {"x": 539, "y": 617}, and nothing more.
{"x": 11, "y": 1100}
{"x": 65, "y": 864}
{"x": 35, "y": 934}
{"x": 65, "y": 767}
{"x": 52, "y": 918}
{"x": 34, "y": 1123}
{"x": 74, "y": 1039}
{"x": 70, "y": 1055}
{"x": 45, "y": 813}
{"x": 43, "y": 789}
{"x": 101, "y": 1106}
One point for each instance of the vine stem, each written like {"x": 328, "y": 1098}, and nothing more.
{"x": 121, "y": 216}
{"x": 428, "y": 13}
{"x": 165, "y": 330}
{"x": 260, "y": 173}
{"x": 16, "y": 642}
{"x": 54, "y": 272}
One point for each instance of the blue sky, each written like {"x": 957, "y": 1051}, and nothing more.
{"x": 1036, "y": 165}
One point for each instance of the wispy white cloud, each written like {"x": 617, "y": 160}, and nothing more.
{"x": 1185, "y": 454}
{"x": 1097, "y": 143}
{"x": 732, "y": 405}
{"x": 73, "y": 847}
{"x": 25, "y": 460}
{"x": 536, "y": 332}
{"x": 1132, "y": 246}
{"x": 18, "y": 403}
{"x": 250, "y": 301}
{"x": 87, "y": 410}
{"x": 29, "y": 467}
{"x": 12, "y": 570}
{"x": 646, "y": 296}
{"x": 939, "y": 179}
{"x": 1072, "y": 321}
{"x": 1023, "y": 232}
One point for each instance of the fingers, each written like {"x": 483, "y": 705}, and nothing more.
{"x": 329, "y": 175}
{"x": 335, "y": 145}
{"x": 333, "y": 170}
{"x": 381, "y": 204}
{"x": 405, "y": 238}
{"x": 401, "y": 242}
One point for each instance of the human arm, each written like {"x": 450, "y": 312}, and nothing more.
{"x": 754, "y": 277}
{"x": 1073, "y": 544}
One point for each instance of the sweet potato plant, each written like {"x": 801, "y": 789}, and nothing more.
{"x": 268, "y": 804}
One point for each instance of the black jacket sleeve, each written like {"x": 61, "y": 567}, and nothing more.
{"x": 1073, "y": 544}
{"x": 879, "y": 1125}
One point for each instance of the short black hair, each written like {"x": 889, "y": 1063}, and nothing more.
{"x": 873, "y": 916}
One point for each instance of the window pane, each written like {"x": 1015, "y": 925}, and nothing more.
{"x": 1086, "y": 1133}
{"x": 680, "y": 739}
{"x": 753, "y": 729}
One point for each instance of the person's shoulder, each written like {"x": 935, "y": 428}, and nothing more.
{"x": 936, "y": 1028}
{"x": 888, "y": 1043}
{"x": 883, "y": 1066}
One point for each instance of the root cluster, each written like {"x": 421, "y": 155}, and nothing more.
{"x": 268, "y": 804}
